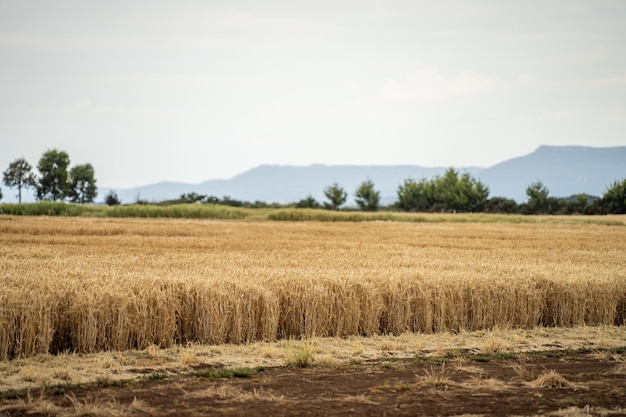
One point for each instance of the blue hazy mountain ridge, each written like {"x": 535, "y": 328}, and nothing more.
{"x": 285, "y": 184}
{"x": 564, "y": 170}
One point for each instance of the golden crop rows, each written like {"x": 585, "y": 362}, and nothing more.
{"x": 92, "y": 284}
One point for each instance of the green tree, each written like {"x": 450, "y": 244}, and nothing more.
{"x": 53, "y": 182}
{"x": 477, "y": 193}
{"x": 461, "y": 193}
{"x": 614, "y": 199}
{"x": 576, "y": 204}
{"x": 415, "y": 195}
{"x": 336, "y": 195}
{"x": 82, "y": 184}
{"x": 500, "y": 205}
{"x": 308, "y": 202}
{"x": 191, "y": 198}
{"x": 448, "y": 195}
{"x": 538, "y": 201}
{"x": 111, "y": 199}
{"x": 366, "y": 196}
{"x": 19, "y": 174}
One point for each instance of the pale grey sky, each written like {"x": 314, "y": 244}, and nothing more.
{"x": 188, "y": 91}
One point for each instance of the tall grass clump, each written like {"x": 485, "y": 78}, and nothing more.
{"x": 326, "y": 307}
{"x": 26, "y": 323}
{"x": 49, "y": 208}
{"x": 340, "y": 216}
{"x": 177, "y": 211}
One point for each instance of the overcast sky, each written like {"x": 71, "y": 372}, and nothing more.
{"x": 188, "y": 91}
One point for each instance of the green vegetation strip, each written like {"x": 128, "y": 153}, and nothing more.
{"x": 220, "y": 212}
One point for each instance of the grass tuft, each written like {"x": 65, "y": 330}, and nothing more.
{"x": 436, "y": 377}
{"x": 551, "y": 379}
{"x": 300, "y": 356}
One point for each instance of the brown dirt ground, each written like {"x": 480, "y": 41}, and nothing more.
{"x": 584, "y": 384}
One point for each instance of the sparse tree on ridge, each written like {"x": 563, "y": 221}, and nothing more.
{"x": 111, "y": 199}
{"x": 82, "y": 184}
{"x": 308, "y": 202}
{"x": 336, "y": 195}
{"x": 614, "y": 198}
{"x": 53, "y": 183}
{"x": 537, "y": 198}
{"x": 190, "y": 198}
{"x": 366, "y": 196}
{"x": 19, "y": 174}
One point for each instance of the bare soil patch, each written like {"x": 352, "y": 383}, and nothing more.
{"x": 558, "y": 383}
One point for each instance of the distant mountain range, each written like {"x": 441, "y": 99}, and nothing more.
{"x": 564, "y": 170}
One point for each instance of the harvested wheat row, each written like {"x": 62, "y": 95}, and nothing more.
{"x": 88, "y": 285}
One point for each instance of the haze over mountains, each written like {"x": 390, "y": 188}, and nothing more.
{"x": 565, "y": 170}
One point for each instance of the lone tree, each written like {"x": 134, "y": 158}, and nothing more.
{"x": 54, "y": 181}
{"x": 337, "y": 196}
{"x": 367, "y": 197}
{"x": 19, "y": 174}
{"x": 82, "y": 184}
{"x": 537, "y": 198}
{"x": 111, "y": 199}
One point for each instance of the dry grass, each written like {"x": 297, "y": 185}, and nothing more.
{"x": 260, "y": 394}
{"x": 223, "y": 392}
{"x": 92, "y": 407}
{"x": 587, "y": 412}
{"x": 360, "y": 399}
{"x": 229, "y": 392}
{"x": 300, "y": 356}
{"x": 619, "y": 369}
{"x": 31, "y": 406}
{"x": 523, "y": 371}
{"x": 494, "y": 344}
{"x": 468, "y": 369}
{"x": 91, "y": 285}
{"x": 436, "y": 377}
{"x": 488, "y": 384}
{"x": 552, "y": 379}
{"x": 331, "y": 351}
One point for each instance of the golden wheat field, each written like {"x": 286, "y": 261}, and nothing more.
{"x": 92, "y": 284}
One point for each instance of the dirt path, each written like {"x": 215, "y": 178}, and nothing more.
{"x": 548, "y": 383}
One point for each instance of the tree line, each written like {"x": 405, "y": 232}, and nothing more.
{"x": 451, "y": 192}
{"x": 55, "y": 181}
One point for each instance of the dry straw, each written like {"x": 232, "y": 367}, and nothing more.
{"x": 89, "y": 285}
